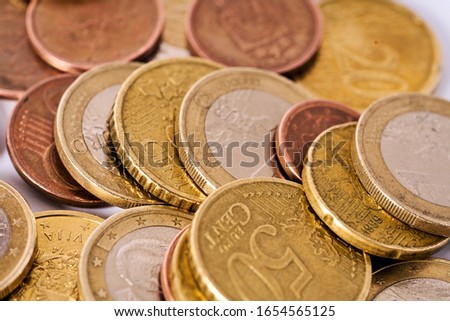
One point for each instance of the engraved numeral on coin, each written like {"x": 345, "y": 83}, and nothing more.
{"x": 36, "y": 132}
{"x": 374, "y": 79}
{"x": 259, "y": 263}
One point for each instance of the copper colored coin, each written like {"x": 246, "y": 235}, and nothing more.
{"x": 20, "y": 67}
{"x": 31, "y": 144}
{"x": 92, "y": 32}
{"x": 301, "y": 125}
{"x": 275, "y": 35}
{"x": 165, "y": 267}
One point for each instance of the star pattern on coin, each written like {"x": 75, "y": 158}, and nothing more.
{"x": 414, "y": 269}
{"x": 111, "y": 235}
{"x": 176, "y": 221}
{"x": 259, "y": 193}
{"x": 85, "y": 226}
{"x": 17, "y": 222}
{"x": 14, "y": 251}
{"x": 44, "y": 225}
{"x": 140, "y": 221}
{"x": 290, "y": 196}
{"x": 380, "y": 281}
{"x": 278, "y": 194}
{"x": 101, "y": 294}
{"x": 97, "y": 262}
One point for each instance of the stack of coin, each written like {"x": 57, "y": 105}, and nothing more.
{"x": 39, "y": 252}
{"x": 214, "y": 141}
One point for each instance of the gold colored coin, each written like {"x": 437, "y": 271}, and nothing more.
{"x": 81, "y": 136}
{"x": 231, "y": 115}
{"x": 143, "y": 127}
{"x": 175, "y": 12}
{"x": 401, "y": 157}
{"x": 339, "y": 199}
{"x": 371, "y": 49}
{"x": 258, "y": 239}
{"x": 427, "y": 280}
{"x": 60, "y": 237}
{"x": 181, "y": 280}
{"x": 122, "y": 259}
{"x": 17, "y": 238}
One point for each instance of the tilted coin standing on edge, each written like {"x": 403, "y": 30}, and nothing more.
{"x": 142, "y": 127}
{"x": 359, "y": 62}
{"x": 17, "y": 238}
{"x": 258, "y": 239}
{"x": 227, "y": 123}
{"x": 81, "y": 136}
{"x": 122, "y": 259}
{"x": 340, "y": 200}
{"x": 31, "y": 144}
{"x": 21, "y": 67}
{"x": 427, "y": 280}
{"x": 301, "y": 125}
{"x": 95, "y": 32}
{"x": 278, "y": 36}
{"x": 401, "y": 156}
{"x": 177, "y": 281}
{"x": 61, "y": 236}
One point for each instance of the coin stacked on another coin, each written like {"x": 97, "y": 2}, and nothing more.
{"x": 201, "y": 151}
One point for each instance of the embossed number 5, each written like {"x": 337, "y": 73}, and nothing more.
{"x": 258, "y": 263}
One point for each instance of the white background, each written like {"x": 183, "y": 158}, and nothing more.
{"x": 435, "y": 12}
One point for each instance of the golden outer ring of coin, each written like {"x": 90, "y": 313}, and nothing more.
{"x": 428, "y": 86}
{"x": 375, "y": 175}
{"x": 181, "y": 273}
{"x": 72, "y": 147}
{"x": 203, "y": 276}
{"x": 17, "y": 268}
{"x": 157, "y": 215}
{"x": 130, "y": 160}
{"x": 335, "y": 219}
{"x": 433, "y": 268}
{"x": 199, "y": 99}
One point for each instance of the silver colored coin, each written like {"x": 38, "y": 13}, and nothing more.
{"x": 417, "y": 280}
{"x": 133, "y": 264}
{"x": 423, "y": 137}
{"x": 95, "y": 119}
{"x": 5, "y": 232}
{"x": 245, "y": 118}
{"x": 122, "y": 259}
{"x": 420, "y": 289}
{"x": 402, "y": 157}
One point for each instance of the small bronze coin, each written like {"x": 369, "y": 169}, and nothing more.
{"x": 276, "y": 35}
{"x": 94, "y": 32}
{"x": 20, "y": 67}
{"x": 31, "y": 144}
{"x": 301, "y": 125}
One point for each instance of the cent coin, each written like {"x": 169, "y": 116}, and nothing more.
{"x": 95, "y": 31}
{"x": 278, "y": 36}
{"x": 31, "y": 144}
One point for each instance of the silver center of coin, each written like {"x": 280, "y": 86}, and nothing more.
{"x": 4, "y": 233}
{"x": 238, "y": 126}
{"x": 133, "y": 264}
{"x": 95, "y": 118}
{"x": 420, "y": 289}
{"x": 416, "y": 149}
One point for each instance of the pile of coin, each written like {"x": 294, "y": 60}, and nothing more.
{"x": 239, "y": 183}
